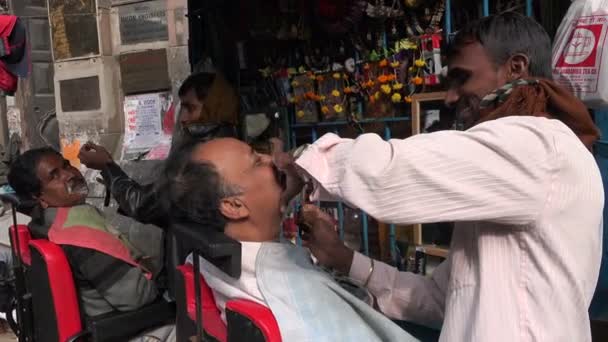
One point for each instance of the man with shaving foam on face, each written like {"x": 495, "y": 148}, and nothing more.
{"x": 111, "y": 274}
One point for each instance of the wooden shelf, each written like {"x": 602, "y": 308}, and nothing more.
{"x": 438, "y": 251}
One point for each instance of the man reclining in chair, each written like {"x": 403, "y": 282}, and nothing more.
{"x": 110, "y": 273}
{"x": 224, "y": 185}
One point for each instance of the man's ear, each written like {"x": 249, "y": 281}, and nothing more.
{"x": 518, "y": 67}
{"x": 233, "y": 208}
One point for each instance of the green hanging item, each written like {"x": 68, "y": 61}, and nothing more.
{"x": 373, "y": 56}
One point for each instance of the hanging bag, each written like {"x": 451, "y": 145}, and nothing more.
{"x": 580, "y": 52}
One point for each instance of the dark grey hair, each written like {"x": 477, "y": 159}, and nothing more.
{"x": 192, "y": 191}
{"x": 504, "y": 35}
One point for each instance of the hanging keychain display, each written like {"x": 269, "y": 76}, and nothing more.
{"x": 396, "y": 54}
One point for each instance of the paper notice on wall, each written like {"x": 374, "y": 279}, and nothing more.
{"x": 143, "y": 121}
{"x": 161, "y": 150}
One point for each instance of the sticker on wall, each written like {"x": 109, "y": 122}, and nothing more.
{"x": 70, "y": 149}
{"x": 143, "y": 122}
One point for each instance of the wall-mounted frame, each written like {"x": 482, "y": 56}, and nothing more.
{"x": 421, "y": 105}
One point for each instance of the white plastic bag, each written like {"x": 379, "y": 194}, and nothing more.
{"x": 580, "y": 52}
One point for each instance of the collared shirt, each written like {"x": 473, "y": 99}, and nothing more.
{"x": 527, "y": 197}
{"x": 225, "y": 288}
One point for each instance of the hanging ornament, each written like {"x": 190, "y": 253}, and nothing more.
{"x": 413, "y": 3}
{"x": 294, "y": 31}
{"x": 369, "y": 84}
{"x": 411, "y": 88}
{"x": 431, "y": 53}
{"x": 336, "y": 67}
{"x": 437, "y": 16}
{"x": 373, "y": 56}
{"x": 416, "y": 24}
{"x": 405, "y": 44}
{"x": 350, "y": 65}
{"x": 305, "y": 97}
{"x": 339, "y": 17}
{"x": 408, "y": 29}
{"x": 383, "y": 79}
{"x": 380, "y": 11}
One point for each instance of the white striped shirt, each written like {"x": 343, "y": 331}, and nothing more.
{"x": 525, "y": 253}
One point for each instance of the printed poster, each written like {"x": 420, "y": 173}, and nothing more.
{"x": 143, "y": 121}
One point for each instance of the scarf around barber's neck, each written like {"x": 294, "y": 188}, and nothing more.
{"x": 543, "y": 98}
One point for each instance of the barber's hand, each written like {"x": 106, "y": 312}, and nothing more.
{"x": 320, "y": 236}
{"x": 277, "y": 145}
{"x": 94, "y": 156}
{"x": 284, "y": 162}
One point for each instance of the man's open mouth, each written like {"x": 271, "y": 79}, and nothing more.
{"x": 77, "y": 186}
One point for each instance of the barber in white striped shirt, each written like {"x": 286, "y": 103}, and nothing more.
{"x": 520, "y": 183}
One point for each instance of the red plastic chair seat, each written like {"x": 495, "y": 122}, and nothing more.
{"x": 53, "y": 293}
{"x": 24, "y": 239}
{"x": 213, "y": 324}
{"x": 212, "y": 319}
{"x": 54, "y": 304}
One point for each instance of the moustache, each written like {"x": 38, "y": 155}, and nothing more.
{"x": 467, "y": 112}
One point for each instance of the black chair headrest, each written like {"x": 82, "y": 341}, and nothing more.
{"x": 23, "y": 206}
{"x": 215, "y": 247}
{"x": 11, "y": 198}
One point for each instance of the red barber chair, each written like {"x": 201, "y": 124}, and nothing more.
{"x": 197, "y": 313}
{"x": 47, "y": 304}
